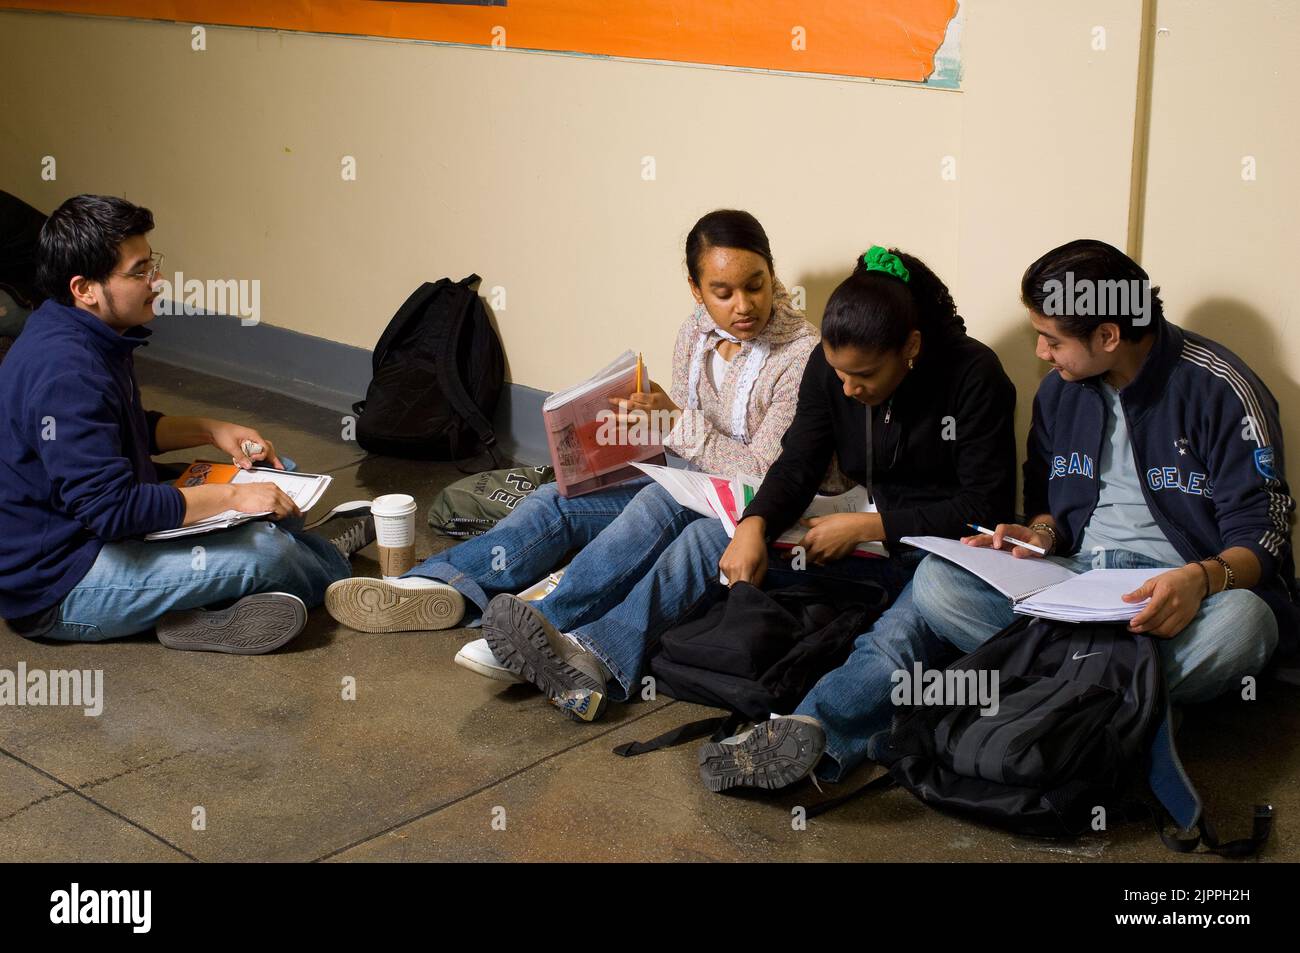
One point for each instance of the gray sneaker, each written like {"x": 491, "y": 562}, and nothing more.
{"x": 772, "y": 755}
{"x": 347, "y": 534}
{"x": 254, "y": 625}
{"x": 525, "y": 642}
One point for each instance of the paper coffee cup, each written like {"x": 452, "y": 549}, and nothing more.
{"x": 394, "y": 516}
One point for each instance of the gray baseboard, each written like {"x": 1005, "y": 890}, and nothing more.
{"x": 315, "y": 370}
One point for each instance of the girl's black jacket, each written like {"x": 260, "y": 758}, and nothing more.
{"x": 943, "y": 447}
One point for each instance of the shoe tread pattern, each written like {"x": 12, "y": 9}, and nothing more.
{"x": 520, "y": 644}
{"x": 775, "y": 755}
{"x": 253, "y": 626}
{"x": 372, "y": 605}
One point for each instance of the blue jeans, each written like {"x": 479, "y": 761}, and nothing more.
{"x": 684, "y": 578}
{"x": 852, "y": 702}
{"x": 133, "y": 583}
{"x": 620, "y": 532}
{"x": 946, "y": 612}
{"x": 1233, "y": 634}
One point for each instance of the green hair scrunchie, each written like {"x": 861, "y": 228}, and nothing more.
{"x": 881, "y": 259}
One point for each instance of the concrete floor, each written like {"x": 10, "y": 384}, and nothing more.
{"x": 428, "y": 756}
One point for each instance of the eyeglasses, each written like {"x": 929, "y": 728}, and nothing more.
{"x": 150, "y": 273}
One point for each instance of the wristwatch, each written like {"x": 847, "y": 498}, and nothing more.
{"x": 1050, "y": 530}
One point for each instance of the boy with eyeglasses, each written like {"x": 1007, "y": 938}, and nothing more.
{"x": 79, "y": 490}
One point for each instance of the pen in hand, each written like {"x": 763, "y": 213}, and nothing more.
{"x": 1029, "y": 546}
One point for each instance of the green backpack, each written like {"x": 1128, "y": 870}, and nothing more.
{"x": 472, "y": 506}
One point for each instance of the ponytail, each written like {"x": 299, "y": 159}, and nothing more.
{"x": 888, "y": 296}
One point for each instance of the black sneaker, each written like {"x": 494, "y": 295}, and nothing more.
{"x": 525, "y": 642}
{"x": 772, "y": 755}
{"x": 254, "y": 625}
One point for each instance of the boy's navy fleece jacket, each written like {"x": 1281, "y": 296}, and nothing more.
{"x": 1207, "y": 442}
{"x": 75, "y": 470}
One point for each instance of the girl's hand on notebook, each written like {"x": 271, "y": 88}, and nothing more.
{"x": 230, "y": 438}
{"x": 1175, "y": 599}
{"x": 1004, "y": 535}
{"x": 834, "y": 536}
{"x": 745, "y": 558}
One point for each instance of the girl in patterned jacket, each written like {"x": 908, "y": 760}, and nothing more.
{"x": 735, "y": 381}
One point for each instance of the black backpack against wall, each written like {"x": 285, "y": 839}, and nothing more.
{"x": 438, "y": 373}
{"x": 20, "y": 231}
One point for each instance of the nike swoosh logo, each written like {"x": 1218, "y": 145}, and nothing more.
{"x": 1079, "y": 658}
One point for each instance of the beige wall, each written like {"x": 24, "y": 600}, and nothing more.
{"x": 1223, "y": 249}
{"x": 527, "y": 169}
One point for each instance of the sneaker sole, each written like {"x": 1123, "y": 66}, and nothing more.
{"x": 254, "y": 625}
{"x": 373, "y": 605}
{"x": 494, "y": 672}
{"x": 518, "y": 640}
{"x": 775, "y": 755}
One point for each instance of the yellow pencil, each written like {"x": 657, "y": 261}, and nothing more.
{"x": 638, "y": 372}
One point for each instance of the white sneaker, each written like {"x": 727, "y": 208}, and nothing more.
{"x": 543, "y": 587}
{"x": 413, "y": 604}
{"x": 478, "y": 658}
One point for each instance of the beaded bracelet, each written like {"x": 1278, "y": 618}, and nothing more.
{"x": 1229, "y": 577}
{"x": 1206, "y": 573}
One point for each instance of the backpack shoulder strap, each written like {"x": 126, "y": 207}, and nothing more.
{"x": 882, "y": 783}
{"x": 1183, "y": 841}
{"x": 1174, "y": 790}
{"x": 449, "y": 375}
{"x": 714, "y": 728}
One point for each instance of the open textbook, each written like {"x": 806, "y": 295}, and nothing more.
{"x": 589, "y": 450}
{"x": 726, "y": 499}
{"x": 305, "y": 489}
{"x": 1043, "y": 588}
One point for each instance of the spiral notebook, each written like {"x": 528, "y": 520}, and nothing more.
{"x": 1043, "y": 588}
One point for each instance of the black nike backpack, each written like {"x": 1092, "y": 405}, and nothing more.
{"x": 1081, "y": 715}
{"x": 438, "y": 373}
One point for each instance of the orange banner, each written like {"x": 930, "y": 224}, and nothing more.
{"x": 884, "y": 39}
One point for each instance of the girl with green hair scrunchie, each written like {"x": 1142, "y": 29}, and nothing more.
{"x": 921, "y": 415}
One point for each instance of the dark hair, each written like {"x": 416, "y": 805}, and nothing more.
{"x": 875, "y": 311}
{"x": 726, "y": 228}
{"x": 1106, "y": 275}
{"x": 81, "y": 238}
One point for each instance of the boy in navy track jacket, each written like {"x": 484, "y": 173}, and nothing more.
{"x": 1150, "y": 446}
{"x": 79, "y": 490}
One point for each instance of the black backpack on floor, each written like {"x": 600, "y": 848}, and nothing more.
{"x": 1081, "y": 716}
{"x": 438, "y": 373}
{"x": 1077, "y": 708}
{"x": 756, "y": 652}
